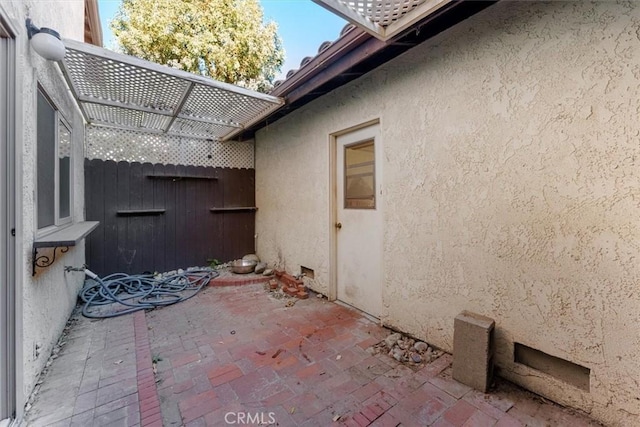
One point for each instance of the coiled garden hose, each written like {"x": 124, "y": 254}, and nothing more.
{"x": 139, "y": 292}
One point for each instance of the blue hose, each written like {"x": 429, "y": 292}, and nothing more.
{"x": 139, "y": 292}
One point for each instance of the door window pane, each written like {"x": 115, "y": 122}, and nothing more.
{"x": 359, "y": 176}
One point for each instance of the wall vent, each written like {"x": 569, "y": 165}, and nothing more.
{"x": 561, "y": 369}
{"x": 308, "y": 273}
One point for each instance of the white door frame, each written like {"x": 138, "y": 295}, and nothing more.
{"x": 10, "y": 223}
{"x": 333, "y": 204}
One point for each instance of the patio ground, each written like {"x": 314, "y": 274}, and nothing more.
{"x": 237, "y": 356}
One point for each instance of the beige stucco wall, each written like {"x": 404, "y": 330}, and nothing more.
{"x": 46, "y": 300}
{"x": 511, "y": 189}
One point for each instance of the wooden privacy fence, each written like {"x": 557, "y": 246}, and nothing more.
{"x": 165, "y": 217}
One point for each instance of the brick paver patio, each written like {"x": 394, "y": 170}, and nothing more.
{"x": 237, "y": 356}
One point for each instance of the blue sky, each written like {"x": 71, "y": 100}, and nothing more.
{"x": 302, "y": 25}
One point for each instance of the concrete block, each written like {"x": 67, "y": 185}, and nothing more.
{"x": 473, "y": 350}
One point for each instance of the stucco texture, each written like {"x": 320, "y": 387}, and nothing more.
{"x": 46, "y": 300}
{"x": 511, "y": 189}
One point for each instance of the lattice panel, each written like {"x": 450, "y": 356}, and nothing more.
{"x": 64, "y": 141}
{"x": 126, "y": 92}
{"x": 212, "y": 102}
{"x": 383, "y": 12}
{"x": 106, "y": 79}
{"x": 133, "y": 146}
{"x": 194, "y": 129}
{"x": 116, "y": 116}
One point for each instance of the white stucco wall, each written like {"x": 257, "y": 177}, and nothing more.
{"x": 511, "y": 189}
{"x": 48, "y": 298}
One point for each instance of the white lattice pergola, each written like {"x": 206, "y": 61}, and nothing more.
{"x": 125, "y": 92}
{"x": 383, "y": 19}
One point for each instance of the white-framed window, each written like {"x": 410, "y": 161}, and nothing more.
{"x": 54, "y": 184}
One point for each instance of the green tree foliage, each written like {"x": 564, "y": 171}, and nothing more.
{"x": 223, "y": 39}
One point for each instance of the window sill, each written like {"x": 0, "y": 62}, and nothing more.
{"x": 61, "y": 239}
{"x": 67, "y": 236}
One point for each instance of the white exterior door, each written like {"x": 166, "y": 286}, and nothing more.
{"x": 359, "y": 219}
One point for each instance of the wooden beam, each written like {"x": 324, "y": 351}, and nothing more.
{"x": 337, "y": 67}
{"x": 92, "y": 26}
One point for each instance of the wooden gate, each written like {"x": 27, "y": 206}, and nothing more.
{"x": 165, "y": 217}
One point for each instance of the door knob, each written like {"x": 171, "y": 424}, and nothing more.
{"x": 338, "y": 225}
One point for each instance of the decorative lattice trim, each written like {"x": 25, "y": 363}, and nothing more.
{"x": 133, "y": 146}
{"x": 383, "y": 12}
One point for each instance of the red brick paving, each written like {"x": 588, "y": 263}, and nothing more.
{"x": 236, "y": 356}
{"x": 150, "y": 414}
{"x": 308, "y": 365}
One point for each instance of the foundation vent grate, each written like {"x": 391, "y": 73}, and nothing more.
{"x": 561, "y": 369}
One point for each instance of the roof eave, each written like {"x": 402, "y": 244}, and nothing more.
{"x": 355, "y": 54}
{"x": 319, "y": 63}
